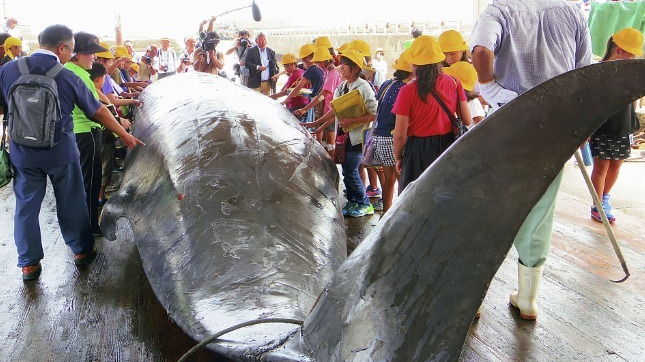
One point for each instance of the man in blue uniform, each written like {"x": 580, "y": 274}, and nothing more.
{"x": 60, "y": 163}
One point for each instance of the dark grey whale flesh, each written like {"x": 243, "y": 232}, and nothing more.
{"x": 236, "y": 215}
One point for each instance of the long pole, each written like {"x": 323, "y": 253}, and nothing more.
{"x": 603, "y": 216}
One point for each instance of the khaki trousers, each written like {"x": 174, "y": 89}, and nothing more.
{"x": 265, "y": 88}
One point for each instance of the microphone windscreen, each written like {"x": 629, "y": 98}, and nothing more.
{"x": 257, "y": 16}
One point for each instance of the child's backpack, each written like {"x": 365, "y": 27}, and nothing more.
{"x": 34, "y": 108}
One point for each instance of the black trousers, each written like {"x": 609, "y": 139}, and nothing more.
{"x": 89, "y": 145}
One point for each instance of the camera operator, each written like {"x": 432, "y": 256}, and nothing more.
{"x": 207, "y": 59}
{"x": 239, "y": 47}
{"x": 185, "y": 57}
{"x": 147, "y": 70}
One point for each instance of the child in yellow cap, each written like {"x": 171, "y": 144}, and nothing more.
{"x": 610, "y": 144}
{"x": 422, "y": 126}
{"x": 298, "y": 101}
{"x": 454, "y": 47}
{"x": 467, "y": 75}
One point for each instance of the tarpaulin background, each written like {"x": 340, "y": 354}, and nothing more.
{"x": 607, "y": 18}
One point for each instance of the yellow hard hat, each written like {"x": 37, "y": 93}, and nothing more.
{"x": 628, "y": 39}
{"x": 465, "y": 72}
{"x": 323, "y": 41}
{"x": 452, "y": 41}
{"x": 121, "y": 51}
{"x": 403, "y": 63}
{"x": 306, "y": 50}
{"x": 425, "y": 50}
{"x": 135, "y": 66}
{"x": 321, "y": 54}
{"x": 361, "y": 46}
{"x": 10, "y": 42}
{"x": 355, "y": 56}
{"x": 289, "y": 59}
{"x": 106, "y": 54}
{"x": 343, "y": 48}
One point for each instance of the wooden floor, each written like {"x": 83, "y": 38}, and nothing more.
{"x": 109, "y": 313}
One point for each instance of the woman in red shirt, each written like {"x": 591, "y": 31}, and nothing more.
{"x": 423, "y": 130}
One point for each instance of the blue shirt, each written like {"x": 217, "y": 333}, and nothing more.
{"x": 264, "y": 59}
{"x": 107, "y": 86}
{"x": 384, "y": 117}
{"x": 316, "y": 76}
{"x": 71, "y": 91}
{"x": 533, "y": 40}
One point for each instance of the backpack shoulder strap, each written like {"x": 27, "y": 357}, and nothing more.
{"x": 53, "y": 71}
{"x": 23, "y": 65}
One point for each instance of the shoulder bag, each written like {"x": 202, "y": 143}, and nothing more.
{"x": 458, "y": 127}
{"x": 6, "y": 169}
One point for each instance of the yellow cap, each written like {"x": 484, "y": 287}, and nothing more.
{"x": 289, "y": 59}
{"x": 106, "y": 54}
{"x": 403, "y": 63}
{"x": 452, "y": 41}
{"x": 361, "y": 46}
{"x": 306, "y": 50}
{"x": 121, "y": 51}
{"x": 628, "y": 39}
{"x": 321, "y": 54}
{"x": 323, "y": 41}
{"x": 425, "y": 50}
{"x": 343, "y": 48}
{"x": 465, "y": 72}
{"x": 135, "y": 66}
{"x": 355, "y": 56}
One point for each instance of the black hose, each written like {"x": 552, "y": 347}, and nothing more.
{"x": 208, "y": 340}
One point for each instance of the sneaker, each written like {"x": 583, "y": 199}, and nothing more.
{"x": 378, "y": 206}
{"x": 348, "y": 207}
{"x": 373, "y": 193}
{"x": 605, "y": 203}
{"x": 361, "y": 210}
{"x": 595, "y": 214}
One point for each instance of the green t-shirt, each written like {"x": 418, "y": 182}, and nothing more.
{"x": 82, "y": 124}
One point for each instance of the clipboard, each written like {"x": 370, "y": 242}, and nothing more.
{"x": 349, "y": 105}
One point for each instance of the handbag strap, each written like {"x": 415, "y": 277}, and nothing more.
{"x": 384, "y": 91}
{"x": 4, "y": 134}
{"x": 451, "y": 116}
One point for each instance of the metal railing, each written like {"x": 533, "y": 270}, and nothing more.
{"x": 428, "y": 27}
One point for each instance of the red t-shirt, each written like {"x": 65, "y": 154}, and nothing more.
{"x": 295, "y": 102}
{"x": 429, "y": 119}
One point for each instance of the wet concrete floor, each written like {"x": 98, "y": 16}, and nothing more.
{"x": 109, "y": 312}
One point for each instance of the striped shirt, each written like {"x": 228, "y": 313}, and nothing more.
{"x": 533, "y": 40}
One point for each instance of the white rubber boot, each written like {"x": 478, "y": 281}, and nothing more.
{"x": 528, "y": 285}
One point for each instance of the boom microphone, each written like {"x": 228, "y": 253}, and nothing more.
{"x": 257, "y": 16}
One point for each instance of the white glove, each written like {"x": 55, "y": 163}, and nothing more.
{"x": 496, "y": 95}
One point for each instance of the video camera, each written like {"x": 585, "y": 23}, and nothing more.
{"x": 209, "y": 41}
{"x": 147, "y": 59}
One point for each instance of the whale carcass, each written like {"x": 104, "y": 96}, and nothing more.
{"x": 236, "y": 216}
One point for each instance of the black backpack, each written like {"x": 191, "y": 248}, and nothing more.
{"x": 34, "y": 108}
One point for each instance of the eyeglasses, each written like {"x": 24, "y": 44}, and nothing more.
{"x": 68, "y": 47}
